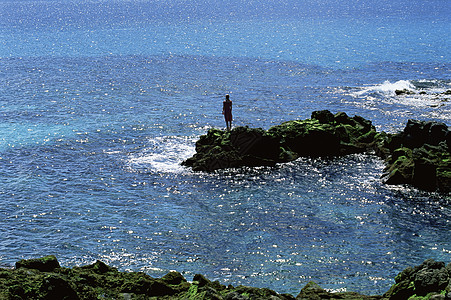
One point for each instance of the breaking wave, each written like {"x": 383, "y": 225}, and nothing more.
{"x": 405, "y": 87}
{"x": 163, "y": 154}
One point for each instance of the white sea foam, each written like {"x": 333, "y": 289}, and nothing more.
{"x": 386, "y": 88}
{"x": 164, "y": 154}
{"x": 419, "y": 93}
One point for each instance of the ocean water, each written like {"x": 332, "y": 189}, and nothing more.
{"x": 100, "y": 102}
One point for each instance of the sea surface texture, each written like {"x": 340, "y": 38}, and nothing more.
{"x": 100, "y": 102}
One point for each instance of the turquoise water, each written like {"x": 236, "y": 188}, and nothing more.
{"x": 101, "y": 101}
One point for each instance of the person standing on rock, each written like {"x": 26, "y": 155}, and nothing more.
{"x": 227, "y": 111}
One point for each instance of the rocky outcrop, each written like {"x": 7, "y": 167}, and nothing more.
{"x": 420, "y": 156}
{"x": 325, "y": 134}
{"x": 431, "y": 279}
{"x": 44, "y": 264}
{"x": 43, "y": 278}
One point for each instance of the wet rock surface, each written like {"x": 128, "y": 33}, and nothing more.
{"x": 430, "y": 280}
{"x": 325, "y": 134}
{"x": 30, "y": 280}
{"x": 419, "y": 155}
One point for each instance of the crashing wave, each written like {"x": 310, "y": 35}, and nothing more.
{"x": 163, "y": 154}
{"x": 405, "y": 87}
{"x": 387, "y": 88}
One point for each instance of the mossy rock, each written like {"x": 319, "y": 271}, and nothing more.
{"x": 420, "y": 282}
{"x": 44, "y": 264}
{"x": 100, "y": 281}
{"x": 313, "y": 291}
{"x": 420, "y": 156}
{"x": 323, "y": 135}
{"x": 443, "y": 175}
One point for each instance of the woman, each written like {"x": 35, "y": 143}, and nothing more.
{"x": 227, "y": 111}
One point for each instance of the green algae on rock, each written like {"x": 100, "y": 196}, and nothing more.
{"x": 420, "y": 156}
{"x": 325, "y": 134}
{"x": 313, "y": 291}
{"x": 44, "y": 278}
{"x": 430, "y": 280}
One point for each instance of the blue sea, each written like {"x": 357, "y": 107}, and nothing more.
{"x": 100, "y": 102}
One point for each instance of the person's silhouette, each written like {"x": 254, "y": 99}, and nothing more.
{"x": 227, "y": 111}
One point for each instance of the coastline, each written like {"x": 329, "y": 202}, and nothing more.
{"x": 44, "y": 278}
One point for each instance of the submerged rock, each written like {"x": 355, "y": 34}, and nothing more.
{"x": 325, "y": 134}
{"x": 404, "y": 92}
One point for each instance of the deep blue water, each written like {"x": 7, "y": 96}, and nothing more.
{"x": 101, "y": 101}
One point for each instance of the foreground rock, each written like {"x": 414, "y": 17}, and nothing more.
{"x": 43, "y": 278}
{"x": 430, "y": 280}
{"x": 313, "y": 291}
{"x": 325, "y": 134}
{"x": 420, "y": 156}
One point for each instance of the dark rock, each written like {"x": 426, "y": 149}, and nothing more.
{"x": 287, "y": 297}
{"x": 404, "y": 92}
{"x": 429, "y": 277}
{"x": 235, "y": 296}
{"x": 324, "y": 134}
{"x": 443, "y": 177}
{"x": 209, "y": 293}
{"x": 241, "y": 146}
{"x": 257, "y": 293}
{"x": 44, "y": 264}
{"x": 430, "y": 280}
{"x": 420, "y": 156}
{"x": 16, "y": 292}
{"x": 424, "y": 176}
{"x": 437, "y": 133}
{"x": 201, "y": 280}
{"x": 56, "y": 287}
{"x": 417, "y": 133}
{"x": 138, "y": 283}
{"x": 174, "y": 278}
{"x": 160, "y": 288}
{"x": 400, "y": 167}
{"x": 401, "y": 291}
{"x": 323, "y": 116}
{"x": 100, "y": 267}
{"x": 313, "y": 291}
